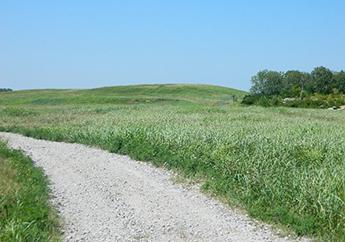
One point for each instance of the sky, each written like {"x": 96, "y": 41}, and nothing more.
{"x": 84, "y": 43}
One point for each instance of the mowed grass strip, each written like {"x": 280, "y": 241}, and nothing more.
{"x": 25, "y": 212}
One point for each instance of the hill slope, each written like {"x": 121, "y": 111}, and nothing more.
{"x": 125, "y": 95}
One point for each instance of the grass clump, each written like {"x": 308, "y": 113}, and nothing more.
{"x": 25, "y": 213}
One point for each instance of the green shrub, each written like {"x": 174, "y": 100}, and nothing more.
{"x": 311, "y": 101}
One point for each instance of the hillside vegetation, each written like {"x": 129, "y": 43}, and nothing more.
{"x": 282, "y": 165}
{"x": 126, "y": 95}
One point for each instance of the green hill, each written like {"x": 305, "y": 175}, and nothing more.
{"x": 125, "y": 95}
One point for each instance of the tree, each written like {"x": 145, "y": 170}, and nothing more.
{"x": 5, "y": 90}
{"x": 322, "y": 79}
{"x": 291, "y": 80}
{"x": 295, "y": 83}
{"x": 340, "y": 81}
{"x": 304, "y": 81}
{"x": 267, "y": 83}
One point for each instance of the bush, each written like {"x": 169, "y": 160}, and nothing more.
{"x": 249, "y": 99}
{"x": 312, "y": 101}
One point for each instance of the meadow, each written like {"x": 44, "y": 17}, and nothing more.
{"x": 285, "y": 166}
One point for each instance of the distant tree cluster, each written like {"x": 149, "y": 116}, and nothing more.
{"x": 6, "y": 90}
{"x": 298, "y": 84}
{"x": 320, "y": 88}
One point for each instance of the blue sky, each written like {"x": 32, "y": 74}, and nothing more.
{"x": 82, "y": 44}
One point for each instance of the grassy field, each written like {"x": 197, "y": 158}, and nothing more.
{"x": 282, "y": 165}
{"x": 25, "y": 213}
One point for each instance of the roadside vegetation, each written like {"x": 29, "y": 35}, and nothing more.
{"x": 282, "y": 165}
{"x": 321, "y": 88}
{"x": 25, "y": 213}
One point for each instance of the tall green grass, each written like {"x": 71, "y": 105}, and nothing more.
{"x": 25, "y": 213}
{"x": 283, "y": 165}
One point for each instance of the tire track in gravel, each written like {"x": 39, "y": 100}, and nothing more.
{"x": 108, "y": 197}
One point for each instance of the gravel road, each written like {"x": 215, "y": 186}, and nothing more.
{"x": 107, "y": 197}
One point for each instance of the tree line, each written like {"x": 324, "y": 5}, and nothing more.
{"x": 6, "y": 90}
{"x": 295, "y": 83}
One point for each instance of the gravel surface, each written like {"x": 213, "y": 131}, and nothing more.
{"x": 107, "y": 197}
